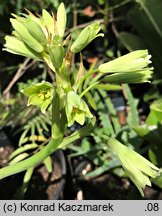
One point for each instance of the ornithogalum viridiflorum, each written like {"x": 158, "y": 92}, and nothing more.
{"x": 137, "y": 167}
{"x": 130, "y": 68}
{"x": 42, "y": 38}
{"x": 76, "y": 109}
{"x": 40, "y": 94}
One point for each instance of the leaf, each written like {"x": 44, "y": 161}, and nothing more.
{"x": 155, "y": 147}
{"x": 146, "y": 19}
{"x": 86, "y": 145}
{"x": 131, "y": 41}
{"x": 108, "y": 87}
{"x": 23, "y": 136}
{"x": 155, "y": 115}
{"x": 103, "y": 168}
{"x": 153, "y": 9}
{"x": 133, "y": 118}
{"x": 18, "y": 158}
{"x": 111, "y": 109}
{"x": 91, "y": 100}
{"x": 48, "y": 164}
{"x": 103, "y": 115}
{"x": 28, "y": 174}
{"x": 23, "y": 149}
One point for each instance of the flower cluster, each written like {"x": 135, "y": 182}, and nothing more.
{"x": 130, "y": 68}
{"x": 34, "y": 37}
{"x": 137, "y": 167}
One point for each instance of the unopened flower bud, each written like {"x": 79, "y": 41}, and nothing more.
{"x": 86, "y": 36}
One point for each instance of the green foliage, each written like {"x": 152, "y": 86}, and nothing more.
{"x": 145, "y": 17}
{"x": 132, "y": 118}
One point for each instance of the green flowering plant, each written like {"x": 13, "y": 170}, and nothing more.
{"x": 42, "y": 38}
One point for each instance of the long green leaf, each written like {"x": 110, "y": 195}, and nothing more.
{"x": 145, "y": 17}
{"x": 133, "y": 118}
{"x": 153, "y": 9}
{"x": 112, "y": 164}
{"x": 131, "y": 41}
{"x": 112, "y": 111}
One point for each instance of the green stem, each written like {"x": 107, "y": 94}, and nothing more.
{"x": 75, "y": 87}
{"x": 52, "y": 146}
{"x": 96, "y": 78}
{"x": 78, "y": 134}
{"x": 87, "y": 89}
{"x": 31, "y": 161}
{"x": 55, "y": 129}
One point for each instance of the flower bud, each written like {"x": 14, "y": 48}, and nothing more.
{"x": 132, "y": 77}
{"x": 86, "y": 36}
{"x": 48, "y": 21}
{"x": 134, "y": 61}
{"x": 25, "y": 36}
{"x": 35, "y": 30}
{"x": 56, "y": 52}
{"x": 61, "y": 20}
{"x": 15, "y": 46}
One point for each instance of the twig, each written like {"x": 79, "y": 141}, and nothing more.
{"x": 18, "y": 74}
{"x": 113, "y": 26}
{"x": 83, "y": 25}
{"x": 51, "y": 74}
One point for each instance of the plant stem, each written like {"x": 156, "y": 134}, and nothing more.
{"x": 75, "y": 87}
{"x": 55, "y": 129}
{"x": 31, "y": 161}
{"x": 51, "y": 147}
{"x": 87, "y": 89}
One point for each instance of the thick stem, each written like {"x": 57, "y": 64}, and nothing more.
{"x": 55, "y": 129}
{"x": 31, "y": 161}
{"x": 53, "y": 145}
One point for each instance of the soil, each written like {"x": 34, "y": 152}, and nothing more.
{"x": 44, "y": 186}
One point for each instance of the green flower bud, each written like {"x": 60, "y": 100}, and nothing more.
{"x": 76, "y": 109}
{"x": 40, "y": 94}
{"x": 61, "y": 20}
{"x": 48, "y": 21}
{"x": 56, "y": 52}
{"x": 132, "y": 77}
{"x": 134, "y": 61}
{"x": 15, "y": 46}
{"x": 35, "y": 30}
{"x": 137, "y": 167}
{"x": 25, "y": 36}
{"x": 86, "y": 36}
